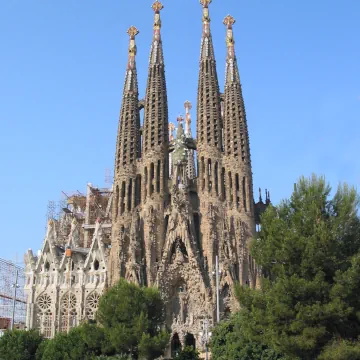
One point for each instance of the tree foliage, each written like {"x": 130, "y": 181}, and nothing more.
{"x": 308, "y": 249}
{"x": 19, "y": 345}
{"x": 84, "y": 342}
{"x": 133, "y": 318}
{"x": 188, "y": 353}
{"x": 228, "y": 342}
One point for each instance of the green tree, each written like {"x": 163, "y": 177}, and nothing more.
{"x": 19, "y": 345}
{"x": 188, "y": 353}
{"x": 133, "y": 319}
{"x": 308, "y": 250}
{"x": 115, "y": 357}
{"x": 228, "y": 342}
{"x": 341, "y": 350}
{"x": 84, "y": 342}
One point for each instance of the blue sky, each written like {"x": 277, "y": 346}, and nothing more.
{"x": 62, "y": 68}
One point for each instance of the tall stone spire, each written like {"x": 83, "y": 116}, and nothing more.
{"x": 191, "y": 173}
{"x": 128, "y": 139}
{"x": 127, "y": 153}
{"x": 209, "y": 123}
{"x": 235, "y": 126}
{"x": 239, "y": 198}
{"x": 154, "y": 167}
{"x": 155, "y": 135}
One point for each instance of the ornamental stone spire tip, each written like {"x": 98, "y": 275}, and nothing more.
{"x": 205, "y": 3}
{"x": 157, "y": 6}
{"x": 229, "y": 21}
{"x": 132, "y": 31}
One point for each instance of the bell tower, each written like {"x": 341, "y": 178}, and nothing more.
{"x": 239, "y": 201}
{"x": 209, "y": 144}
{"x": 126, "y": 156}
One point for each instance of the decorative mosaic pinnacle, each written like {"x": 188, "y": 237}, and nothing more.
{"x": 229, "y": 21}
{"x": 180, "y": 118}
{"x": 205, "y": 3}
{"x": 188, "y": 105}
{"x": 157, "y": 6}
{"x": 171, "y": 127}
{"x": 132, "y": 31}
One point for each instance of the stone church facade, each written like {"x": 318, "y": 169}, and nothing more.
{"x": 168, "y": 215}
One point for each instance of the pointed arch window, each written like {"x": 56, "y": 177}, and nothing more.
{"x": 68, "y": 314}
{"x": 44, "y": 315}
{"x": 91, "y": 306}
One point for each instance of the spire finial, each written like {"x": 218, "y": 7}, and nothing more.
{"x": 171, "y": 130}
{"x": 180, "y": 119}
{"x": 188, "y": 107}
{"x": 205, "y": 4}
{"x": 157, "y": 6}
{"x": 132, "y": 31}
{"x": 229, "y": 21}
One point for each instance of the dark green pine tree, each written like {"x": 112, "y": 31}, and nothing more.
{"x": 133, "y": 319}
{"x": 308, "y": 250}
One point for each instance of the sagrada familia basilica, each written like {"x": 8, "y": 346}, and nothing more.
{"x": 168, "y": 216}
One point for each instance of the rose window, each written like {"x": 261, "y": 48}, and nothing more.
{"x": 92, "y": 303}
{"x": 44, "y": 302}
{"x": 66, "y": 301}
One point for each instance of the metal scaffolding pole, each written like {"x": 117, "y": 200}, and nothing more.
{"x": 15, "y": 285}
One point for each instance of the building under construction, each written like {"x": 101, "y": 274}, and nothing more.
{"x": 65, "y": 279}
{"x": 168, "y": 223}
{"x": 12, "y": 296}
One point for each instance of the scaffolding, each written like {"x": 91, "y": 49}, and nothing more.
{"x": 12, "y": 296}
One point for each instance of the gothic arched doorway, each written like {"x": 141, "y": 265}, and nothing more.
{"x": 175, "y": 345}
{"x": 190, "y": 340}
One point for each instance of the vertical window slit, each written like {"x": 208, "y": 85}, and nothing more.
{"x": 152, "y": 175}
{"x": 244, "y": 192}
{"x": 158, "y": 176}
{"x": 122, "y": 200}
{"x": 223, "y": 185}
{"x": 230, "y": 188}
{"x": 237, "y": 190}
{"x": 129, "y": 195}
{"x": 216, "y": 178}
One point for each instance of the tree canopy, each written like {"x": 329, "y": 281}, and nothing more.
{"x": 228, "y": 342}
{"x": 188, "y": 353}
{"x": 308, "y": 250}
{"x": 133, "y": 318}
{"x": 19, "y": 345}
{"x": 83, "y": 342}
{"x": 130, "y": 325}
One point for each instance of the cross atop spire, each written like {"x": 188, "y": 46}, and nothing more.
{"x": 229, "y": 21}
{"x": 157, "y": 6}
{"x": 187, "y": 105}
{"x": 180, "y": 119}
{"x": 206, "y": 17}
{"x": 205, "y": 3}
{"x": 132, "y": 31}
